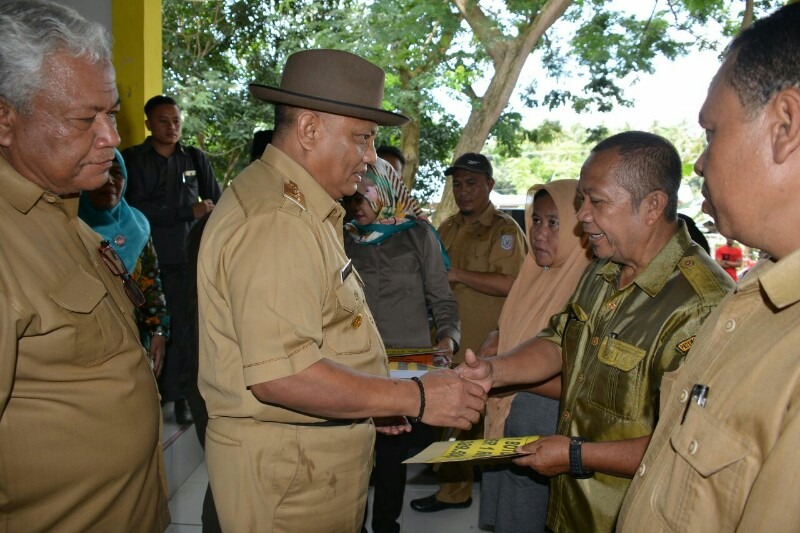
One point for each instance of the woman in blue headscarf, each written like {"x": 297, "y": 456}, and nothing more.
{"x": 127, "y": 230}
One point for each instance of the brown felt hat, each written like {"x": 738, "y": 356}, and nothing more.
{"x": 332, "y": 81}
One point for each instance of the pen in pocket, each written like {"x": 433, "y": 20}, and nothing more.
{"x": 699, "y": 396}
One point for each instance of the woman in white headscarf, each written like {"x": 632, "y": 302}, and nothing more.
{"x": 514, "y": 499}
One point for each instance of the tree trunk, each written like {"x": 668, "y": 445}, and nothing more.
{"x": 409, "y": 144}
{"x": 509, "y": 57}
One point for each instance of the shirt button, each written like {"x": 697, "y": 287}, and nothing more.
{"x": 688, "y": 263}
{"x": 612, "y": 305}
{"x": 642, "y": 469}
{"x": 684, "y": 395}
{"x": 693, "y": 447}
{"x": 595, "y": 341}
{"x": 49, "y": 199}
{"x": 357, "y": 320}
{"x": 729, "y": 325}
{"x": 581, "y": 377}
{"x": 566, "y": 415}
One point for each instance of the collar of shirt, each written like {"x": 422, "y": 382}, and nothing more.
{"x": 486, "y": 218}
{"x": 656, "y": 274}
{"x": 779, "y": 279}
{"x": 318, "y": 201}
{"x": 148, "y": 143}
{"x": 23, "y": 194}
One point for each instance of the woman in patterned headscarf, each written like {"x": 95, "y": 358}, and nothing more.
{"x": 398, "y": 255}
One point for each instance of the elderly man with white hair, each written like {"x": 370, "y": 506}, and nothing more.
{"x": 79, "y": 413}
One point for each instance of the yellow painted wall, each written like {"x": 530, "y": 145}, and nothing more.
{"x": 136, "y": 26}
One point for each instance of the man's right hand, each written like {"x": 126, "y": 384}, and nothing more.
{"x": 451, "y": 401}
{"x": 201, "y": 208}
{"x": 477, "y": 370}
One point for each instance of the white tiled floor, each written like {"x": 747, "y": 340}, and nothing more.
{"x": 186, "y": 505}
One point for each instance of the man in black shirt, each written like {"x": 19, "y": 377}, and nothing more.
{"x": 173, "y": 185}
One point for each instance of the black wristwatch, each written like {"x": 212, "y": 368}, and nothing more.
{"x": 575, "y": 463}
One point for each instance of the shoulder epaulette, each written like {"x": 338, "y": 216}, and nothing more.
{"x": 702, "y": 279}
{"x": 292, "y": 192}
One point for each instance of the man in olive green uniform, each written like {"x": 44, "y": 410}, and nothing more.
{"x": 291, "y": 363}
{"x": 632, "y": 318}
{"x": 724, "y": 454}
{"x": 486, "y": 249}
{"x": 80, "y": 439}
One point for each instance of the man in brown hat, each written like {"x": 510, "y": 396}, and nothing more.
{"x": 291, "y": 364}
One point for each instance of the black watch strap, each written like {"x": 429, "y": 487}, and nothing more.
{"x": 575, "y": 462}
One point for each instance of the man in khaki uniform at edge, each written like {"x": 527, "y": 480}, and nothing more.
{"x": 632, "y": 317}
{"x": 80, "y": 439}
{"x": 291, "y": 364}
{"x": 486, "y": 249}
{"x": 731, "y": 462}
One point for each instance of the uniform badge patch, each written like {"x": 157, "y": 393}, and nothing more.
{"x": 292, "y": 192}
{"x": 686, "y": 345}
{"x": 506, "y": 242}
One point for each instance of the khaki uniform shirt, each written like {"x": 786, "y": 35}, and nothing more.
{"x": 616, "y": 345}
{"x": 493, "y": 243}
{"x": 732, "y": 465}
{"x": 275, "y": 290}
{"x": 80, "y": 439}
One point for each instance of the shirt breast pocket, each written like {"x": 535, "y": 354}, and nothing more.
{"x": 98, "y": 333}
{"x": 481, "y": 248}
{"x": 348, "y": 332}
{"x": 711, "y": 469}
{"x": 191, "y": 188}
{"x": 617, "y": 386}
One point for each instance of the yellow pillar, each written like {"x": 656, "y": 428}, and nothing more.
{"x": 136, "y": 26}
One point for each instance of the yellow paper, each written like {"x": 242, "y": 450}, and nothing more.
{"x": 471, "y": 450}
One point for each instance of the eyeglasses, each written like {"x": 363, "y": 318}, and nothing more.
{"x": 117, "y": 267}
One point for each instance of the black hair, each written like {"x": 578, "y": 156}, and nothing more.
{"x": 285, "y": 115}
{"x": 386, "y": 149}
{"x": 647, "y": 163}
{"x": 695, "y": 233}
{"x": 261, "y": 139}
{"x": 765, "y": 58}
{"x": 156, "y": 101}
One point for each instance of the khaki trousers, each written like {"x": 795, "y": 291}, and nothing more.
{"x": 271, "y": 477}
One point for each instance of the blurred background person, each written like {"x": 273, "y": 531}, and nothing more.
{"x": 174, "y": 185}
{"x": 729, "y": 256}
{"x": 127, "y": 230}
{"x": 486, "y": 249}
{"x": 402, "y": 264}
{"x": 514, "y": 498}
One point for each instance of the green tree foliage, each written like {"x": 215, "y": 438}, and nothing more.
{"x": 469, "y": 50}
{"x": 213, "y": 49}
{"x": 552, "y": 152}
